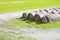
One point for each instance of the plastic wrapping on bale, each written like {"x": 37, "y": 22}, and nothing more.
{"x": 46, "y": 10}
{"x": 30, "y": 16}
{"x": 49, "y": 19}
{"x": 58, "y": 7}
{"x": 46, "y": 19}
{"x": 51, "y": 15}
{"x": 37, "y": 17}
{"x": 58, "y": 11}
{"x": 57, "y": 14}
{"x": 55, "y": 9}
{"x": 24, "y": 15}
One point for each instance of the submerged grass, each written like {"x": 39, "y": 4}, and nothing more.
{"x": 13, "y": 36}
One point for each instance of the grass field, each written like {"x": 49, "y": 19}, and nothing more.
{"x": 29, "y": 4}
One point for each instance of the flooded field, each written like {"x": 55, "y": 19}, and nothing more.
{"x": 22, "y": 33}
{"x": 30, "y": 34}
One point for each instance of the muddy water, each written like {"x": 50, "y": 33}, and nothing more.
{"x": 38, "y": 34}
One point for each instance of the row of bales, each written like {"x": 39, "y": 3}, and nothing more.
{"x": 43, "y": 15}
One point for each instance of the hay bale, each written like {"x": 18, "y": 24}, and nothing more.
{"x": 24, "y": 15}
{"x": 46, "y": 10}
{"x": 37, "y": 17}
{"x": 56, "y": 15}
{"x": 30, "y": 16}
{"x": 43, "y": 12}
{"x": 49, "y": 19}
{"x": 52, "y": 12}
{"x": 46, "y": 19}
{"x": 55, "y": 9}
{"x": 58, "y": 7}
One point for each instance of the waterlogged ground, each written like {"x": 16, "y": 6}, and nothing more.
{"x": 11, "y": 34}
{"x": 29, "y": 34}
{"x": 14, "y": 32}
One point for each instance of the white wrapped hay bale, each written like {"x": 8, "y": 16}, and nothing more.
{"x": 37, "y": 17}
{"x": 30, "y": 16}
{"x": 44, "y": 12}
{"x": 51, "y": 14}
{"x": 24, "y": 15}
{"x": 44, "y": 15}
{"x": 57, "y": 13}
{"x": 40, "y": 13}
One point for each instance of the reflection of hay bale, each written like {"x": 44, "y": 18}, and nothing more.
{"x": 37, "y": 17}
{"x": 24, "y": 15}
{"x": 30, "y": 16}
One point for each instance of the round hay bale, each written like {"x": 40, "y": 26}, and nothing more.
{"x": 49, "y": 19}
{"x": 44, "y": 20}
{"x": 55, "y": 9}
{"x": 37, "y": 17}
{"x": 58, "y": 7}
{"x": 52, "y": 12}
{"x": 24, "y": 15}
{"x": 46, "y": 10}
{"x": 30, "y": 16}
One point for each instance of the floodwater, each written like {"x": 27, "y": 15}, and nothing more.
{"x": 37, "y": 33}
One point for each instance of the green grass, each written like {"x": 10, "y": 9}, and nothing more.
{"x": 17, "y": 23}
{"x": 11, "y": 0}
{"x": 32, "y": 4}
{"x": 30, "y": 23}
